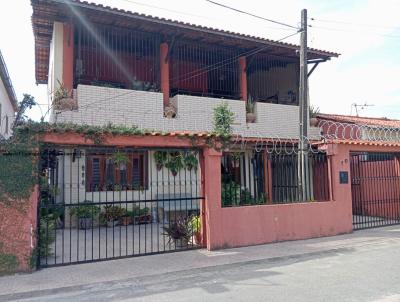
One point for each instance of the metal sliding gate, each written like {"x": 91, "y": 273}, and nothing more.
{"x": 375, "y": 187}
{"x": 99, "y": 204}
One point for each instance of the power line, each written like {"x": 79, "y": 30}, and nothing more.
{"x": 354, "y": 23}
{"x": 166, "y": 9}
{"x": 200, "y": 70}
{"x": 353, "y": 31}
{"x": 250, "y": 14}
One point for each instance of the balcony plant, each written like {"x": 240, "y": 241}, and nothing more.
{"x": 178, "y": 231}
{"x": 250, "y": 108}
{"x": 160, "y": 158}
{"x": 62, "y": 99}
{"x": 174, "y": 163}
{"x": 85, "y": 214}
{"x": 314, "y": 111}
{"x": 126, "y": 218}
{"x": 191, "y": 161}
{"x": 111, "y": 215}
{"x": 170, "y": 111}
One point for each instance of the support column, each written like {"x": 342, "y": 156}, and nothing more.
{"x": 68, "y": 56}
{"x": 164, "y": 72}
{"x": 243, "y": 78}
{"x": 212, "y": 194}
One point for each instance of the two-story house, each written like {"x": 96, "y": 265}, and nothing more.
{"x": 8, "y": 101}
{"x": 130, "y": 69}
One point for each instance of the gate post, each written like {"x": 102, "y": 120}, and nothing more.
{"x": 212, "y": 194}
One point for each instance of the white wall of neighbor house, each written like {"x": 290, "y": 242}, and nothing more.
{"x": 7, "y": 113}
{"x": 102, "y": 105}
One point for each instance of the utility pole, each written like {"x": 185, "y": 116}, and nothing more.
{"x": 303, "y": 169}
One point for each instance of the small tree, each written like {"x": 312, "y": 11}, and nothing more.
{"x": 27, "y": 103}
{"x": 223, "y": 119}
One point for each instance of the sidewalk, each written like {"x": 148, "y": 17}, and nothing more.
{"x": 147, "y": 266}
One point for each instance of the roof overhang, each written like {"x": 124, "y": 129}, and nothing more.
{"x": 5, "y": 78}
{"x": 46, "y": 12}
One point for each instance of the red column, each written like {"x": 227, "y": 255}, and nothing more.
{"x": 243, "y": 78}
{"x": 68, "y": 56}
{"x": 164, "y": 70}
{"x": 212, "y": 194}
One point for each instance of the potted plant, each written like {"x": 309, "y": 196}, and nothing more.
{"x": 190, "y": 161}
{"x": 120, "y": 158}
{"x": 85, "y": 214}
{"x": 195, "y": 226}
{"x": 111, "y": 215}
{"x": 160, "y": 158}
{"x": 141, "y": 216}
{"x": 314, "y": 111}
{"x": 170, "y": 111}
{"x": 175, "y": 163}
{"x": 62, "y": 99}
{"x": 250, "y": 114}
{"x": 126, "y": 218}
{"x": 178, "y": 231}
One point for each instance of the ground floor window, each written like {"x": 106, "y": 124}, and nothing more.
{"x": 119, "y": 171}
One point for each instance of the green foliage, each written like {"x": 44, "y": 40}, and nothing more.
{"x": 160, "y": 157}
{"x": 46, "y": 235}
{"x": 175, "y": 162}
{"x": 195, "y": 224}
{"x": 223, "y": 120}
{"x": 137, "y": 211}
{"x": 61, "y": 92}
{"x": 8, "y": 264}
{"x": 178, "y": 229}
{"x": 120, "y": 158}
{"x": 85, "y": 211}
{"x": 233, "y": 195}
{"x": 27, "y": 102}
{"x": 111, "y": 213}
{"x": 250, "y": 105}
{"x": 191, "y": 161}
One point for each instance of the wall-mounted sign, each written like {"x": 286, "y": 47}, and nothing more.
{"x": 343, "y": 177}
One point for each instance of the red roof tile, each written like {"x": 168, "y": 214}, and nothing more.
{"x": 358, "y": 120}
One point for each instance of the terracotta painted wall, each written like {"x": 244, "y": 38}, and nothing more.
{"x": 251, "y": 225}
{"x": 18, "y": 223}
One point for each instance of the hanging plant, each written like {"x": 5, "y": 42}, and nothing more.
{"x": 175, "y": 163}
{"x": 120, "y": 158}
{"x": 191, "y": 161}
{"x": 160, "y": 158}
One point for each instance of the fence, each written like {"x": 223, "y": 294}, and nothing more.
{"x": 100, "y": 203}
{"x": 250, "y": 178}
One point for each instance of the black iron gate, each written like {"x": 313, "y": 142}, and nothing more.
{"x": 99, "y": 204}
{"x": 375, "y": 187}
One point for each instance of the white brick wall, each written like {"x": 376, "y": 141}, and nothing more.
{"x": 101, "y": 105}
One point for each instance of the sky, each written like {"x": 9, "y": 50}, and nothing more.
{"x": 366, "y": 33}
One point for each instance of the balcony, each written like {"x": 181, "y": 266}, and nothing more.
{"x": 102, "y": 105}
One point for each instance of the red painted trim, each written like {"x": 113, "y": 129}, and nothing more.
{"x": 243, "y": 78}
{"x": 68, "y": 56}
{"x": 164, "y": 72}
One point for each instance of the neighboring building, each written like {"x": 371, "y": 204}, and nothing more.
{"x": 8, "y": 101}
{"x": 359, "y": 128}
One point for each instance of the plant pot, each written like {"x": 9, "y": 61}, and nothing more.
{"x": 112, "y": 223}
{"x": 170, "y": 111}
{"x": 181, "y": 243}
{"x": 126, "y": 221}
{"x": 85, "y": 223}
{"x": 251, "y": 117}
{"x": 66, "y": 104}
{"x": 143, "y": 219}
{"x": 314, "y": 122}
